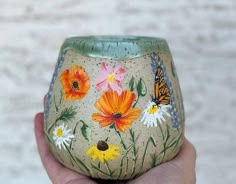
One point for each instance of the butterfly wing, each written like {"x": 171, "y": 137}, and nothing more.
{"x": 161, "y": 90}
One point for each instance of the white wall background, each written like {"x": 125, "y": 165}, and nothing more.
{"x": 201, "y": 35}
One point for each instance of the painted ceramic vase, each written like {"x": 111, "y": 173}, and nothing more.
{"x": 114, "y": 108}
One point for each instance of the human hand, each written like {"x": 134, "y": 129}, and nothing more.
{"x": 180, "y": 170}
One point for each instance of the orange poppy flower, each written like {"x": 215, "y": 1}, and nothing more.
{"x": 75, "y": 82}
{"x": 116, "y": 109}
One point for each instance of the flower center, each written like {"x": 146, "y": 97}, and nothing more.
{"x": 153, "y": 109}
{"x": 75, "y": 85}
{"x": 111, "y": 78}
{"x": 59, "y": 132}
{"x": 116, "y": 115}
{"x": 102, "y": 146}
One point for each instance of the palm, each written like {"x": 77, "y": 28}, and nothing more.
{"x": 178, "y": 171}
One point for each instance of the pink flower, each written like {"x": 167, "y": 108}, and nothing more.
{"x": 110, "y": 78}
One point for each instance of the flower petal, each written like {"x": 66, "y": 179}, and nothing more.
{"x": 74, "y": 74}
{"x": 112, "y": 99}
{"x": 119, "y": 73}
{"x": 102, "y": 76}
{"x": 101, "y": 85}
{"x": 90, "y": 150}
{"x": 105, "y": 103}
{"x": 126, "y": 121}
{"x": 101, "y": 119}
{"x": 122, "y": 126}
{"x": 116, "y": 86}
{"x": 106, "y": 68}
{"x": 132, "y": 115}
{"x": 104, "y": 155}
{"x": 127, "y": 98}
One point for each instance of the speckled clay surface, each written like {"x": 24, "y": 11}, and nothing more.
{"x": 114, "y": 108}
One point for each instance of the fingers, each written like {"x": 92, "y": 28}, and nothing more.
{"x": 49, "y": 162}
{"x": 56, "y": 172}
{"x": 179, "y": 170}
{"x": 187, "y": 155}
{"x": 187, "y": 159}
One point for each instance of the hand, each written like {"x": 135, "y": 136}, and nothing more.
{"x": 180, "y": 170}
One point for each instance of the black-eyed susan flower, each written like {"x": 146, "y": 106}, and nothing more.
{"x": 103, "y": 151}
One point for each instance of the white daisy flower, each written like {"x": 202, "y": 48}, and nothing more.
{"x": 62, "y": 136}
{"x": 154, "y": 113}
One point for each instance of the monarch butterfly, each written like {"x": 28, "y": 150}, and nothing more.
{"x": 161, "y": 89}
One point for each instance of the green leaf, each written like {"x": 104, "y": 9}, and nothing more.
{"x": 54, "y": 100}
{"x": 86, "y": 131}
{"x": 67, "y": 114}
{"x": 167, "y": 136}
{"x": 101, "y": 171}
{"x": 61, "y": 93}
{"x": 132, "y": 84}
{"x": 153, "y": 159}
{"x": 141, "y": 88}
{"x": 154, "y": 142}
{"x": 83, "y": 165}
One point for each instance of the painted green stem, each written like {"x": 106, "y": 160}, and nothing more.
{"x": 48, "y": 138}
{"x": 136, "y": 101}
{"x": 174, "y": 143}
{"x": 50, "y": 127}
{"x": 122, "y": 160}
{"x": 99, "y": 170}
{"x": 135, "y": 151}
{"x": 164, "y": 143}
{"x": 61, "y": 98}
{"x": 145, "y": 150}
{"x": 77, "y": 160}
{"x": 108, "y": 168}
{"x": 165, "y": 139}
{"x": 56, "y": 107}
{"x": 127, "y": 166}
{"x": 74, "y": 132}
{"x": 121, "y": 139}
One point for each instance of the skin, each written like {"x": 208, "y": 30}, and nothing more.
{"x": 180, "y": 170}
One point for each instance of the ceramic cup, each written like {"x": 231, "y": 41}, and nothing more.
{"x": 114, "y": 108}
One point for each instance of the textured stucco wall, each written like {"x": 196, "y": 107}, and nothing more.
{"x": 201, "y": 35}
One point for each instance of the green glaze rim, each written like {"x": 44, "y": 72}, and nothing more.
{"x": 115, "y": 47}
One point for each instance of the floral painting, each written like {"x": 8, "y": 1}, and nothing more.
{"x": 62, "y": 136}
{"x": 117, "y": 109}
{"x": 103, "y": 152}
{"x": 110, "y": 78}
{"x": 75, "y": 82}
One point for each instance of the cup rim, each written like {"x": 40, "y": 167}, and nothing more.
{"x": 116, "y": 38}
{"x": 116, "y": 47}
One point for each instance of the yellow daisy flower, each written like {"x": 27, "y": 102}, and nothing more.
{"x": 103, "y": 152}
